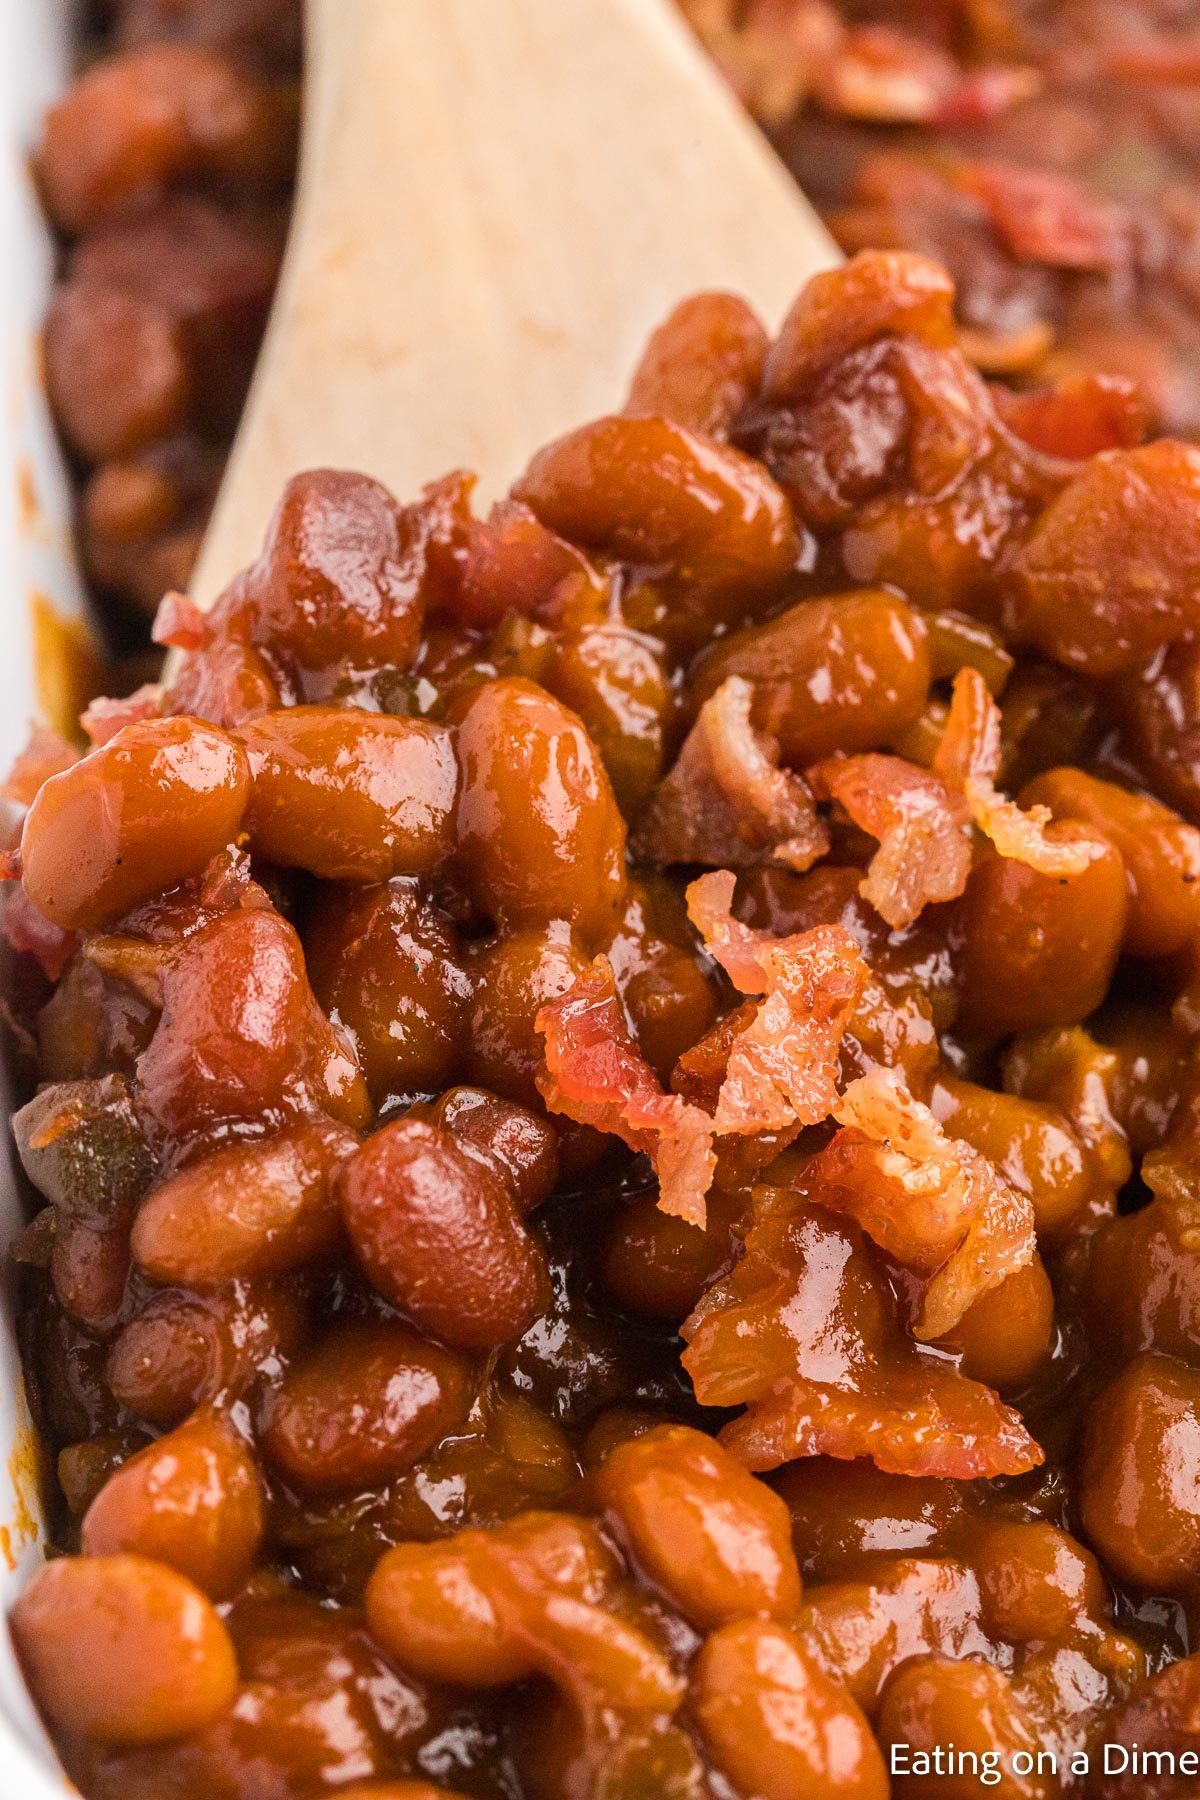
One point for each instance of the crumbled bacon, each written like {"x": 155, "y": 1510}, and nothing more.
{"x": 804, "y": 1333}
{"x": 514, "y": 563}
{"x": 46, "y": 753}
{"x": 727, "y": 802}
{"x": 931, "y": 1202}
{"x": 924, "y": 853}
{"x": 782, "y": 1068}
{"x": 595, "y": 1074}
{"x": 30, "y": 932}
{"x": 1042, "y": 217}
{"x": 104, "y": 718}
{"x": 1079, "y": 417}
{"x": 968, "y": 758}
{"x": 888, "y": 77}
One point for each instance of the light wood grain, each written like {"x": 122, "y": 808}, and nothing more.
{"x": 499, "y": 199}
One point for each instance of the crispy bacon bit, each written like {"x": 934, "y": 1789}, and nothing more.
{"x": 931, "y": 1202}
{"x": 595, "y": 1074}
{"x": 891, "y": 78}
{"x": 1046, "y": 218}
{"x": 46, "y": 753}
{"x": 968, "y": 758}
{"x": 782, "y": 1068}
{"x": 1079, "y": 417}
{"x": 180, "y": 623}
{"x": 104, "y": 718}
{"x": 924, "y": 853}
{"x": 727, "y": 802}
{"x": 804, "y": 1332}
{"x": 30, "y": 932}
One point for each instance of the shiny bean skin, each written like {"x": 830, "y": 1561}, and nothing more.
{"x": 440, "y": 1237}
{"x": 1007, "y": 1334}
{"x": 539, "y": 833}
{"x": 252, "y": 1209}
{"x": 362, "y": 1405}
{"x": 1138, "y": 1496}
{"x": 387, "y": 965}
{"x": 932, "y": 1702}
{"x": 339, "y": 579}
{"x": 192, "y": 1500}
{"x": 702, "y": 364}
{"x": 512, "y": 977}
{"x": 775, "y": 1725}
{"x": 713, "y": 1537}
{"x": 1038, "y": 950}
{"x": 651, "y": 492}
{"x": 347, "y": 795}
{"x": 845, "y": 673}
{"x": 1160, "y": 850}
{"x": 1030, "y": 1141}
{"x": 148, "y": 809}
{"x": 241, "y": 1035}
{"x": 181, "y": 1349}
{"x": 518, "y": 1146}
{"x": 123, "y": 1649}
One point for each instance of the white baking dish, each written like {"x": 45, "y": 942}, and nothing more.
{"x": 36, "y": 572}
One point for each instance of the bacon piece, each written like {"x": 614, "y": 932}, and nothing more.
{"x": 924, "y": 853}
{"x": 968, "y": 758}
{"x": 891, "y": 78}
{"x": 782, "y": 1068}
{"x": 46, "y": 753}
{"x": 931, "y": 1202}
{"x": 805, "y": 1333}
{"x": 595, "y": 1074}
{"x": 1079, "y": 417}
{"x": 1043, "y": 217}
{"x": 727, "y": 802}
{"x": 102, "y": 719}
{"x": 27, "y": 930}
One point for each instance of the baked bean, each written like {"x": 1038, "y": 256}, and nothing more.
{"x": 655, "y": 494}
{"x": 181, "y": 1349}
{"x": 1109, "y": 573}
{"x": 193, "y": 1500}
{"x": 1138, "y": 1495}
{"x": 842, "y": 1512}
{"x": 253, "y": 1209}
{"x": 1142, "y": 1289}
{"x": 116, "y": 369}
{"x": 1039, "y": 949}
{"x": 933, "y": 1703}
{"x": 659, "y": 1265}
{"x": 440, "y": 1236}
{"x": 488, "y": 1608}
{"x": 1160, "y": 850}
{"x": 241, "y": 1036}
{"x": 512, "y": 977}
{"x": 361, "y": 1405}
{"x": 350, "y": 796}
{"x": 842, "y": 309}
{"x": 138, "y": 122}
{"x": 615, "y": 680}
{"x": 387, "y": 965}
{"x": 539, "y": 833}
{"x": 702, "y": 364}
{"x": 1007, "y": 1333}
{"x": 397, "y": 1790}
{"x": 716, "y": 1539}
{"x": 519, "y": 1147}
{"x": 150, "y": 808}
{"x": 775, "y": 1725}
{"x": 845, "y": 673}
{"x": 123, "y": 1648}
{"x": 1029, "y": 1141}
{"x": 340, "y": 579}
{"x": 1036, "y": 1584}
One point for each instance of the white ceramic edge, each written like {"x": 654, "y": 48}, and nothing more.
{"x": 35, "y": 557}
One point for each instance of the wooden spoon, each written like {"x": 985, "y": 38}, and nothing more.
{"x": 498, "y": 201}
